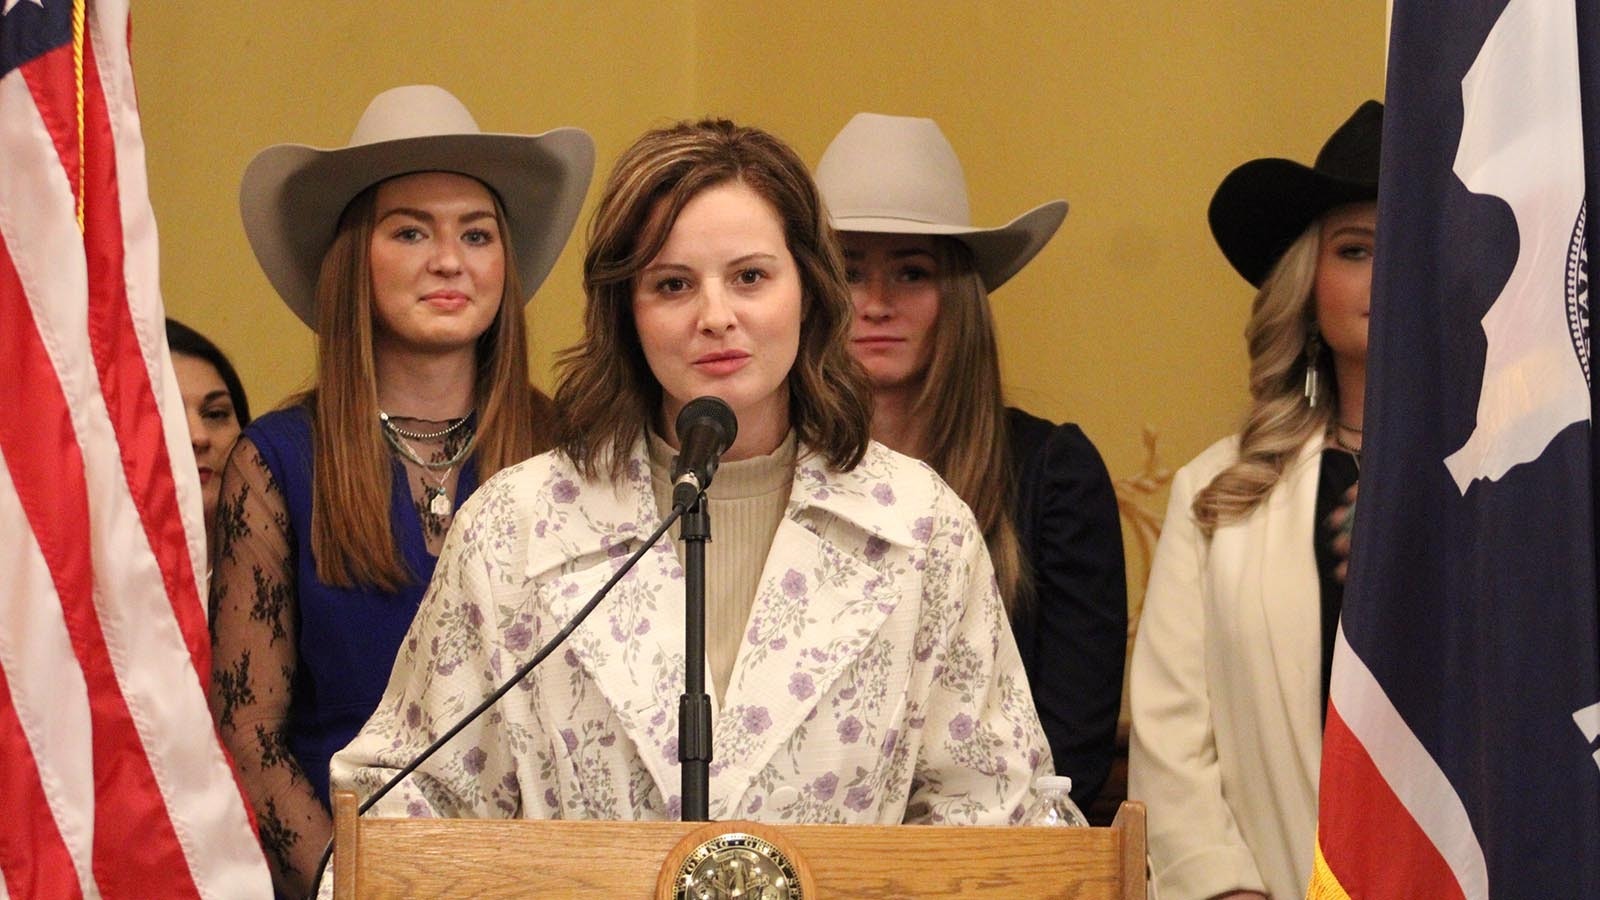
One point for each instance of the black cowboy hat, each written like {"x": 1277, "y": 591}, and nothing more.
{"x": 1263, "y": 205}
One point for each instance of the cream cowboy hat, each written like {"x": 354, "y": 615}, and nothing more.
{"x": 899, "y": 175}
{"x": 292, "y": 195}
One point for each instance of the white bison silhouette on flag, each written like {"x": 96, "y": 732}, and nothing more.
{"x": 1522, "y": 141}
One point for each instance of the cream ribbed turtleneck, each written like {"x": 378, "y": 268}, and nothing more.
{"x": 747, "y": 500}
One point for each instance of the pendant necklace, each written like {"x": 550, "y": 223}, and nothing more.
{"x": 435, "y": 497}
{"x": 438, "y": 497}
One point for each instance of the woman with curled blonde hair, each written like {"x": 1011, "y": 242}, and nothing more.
{"x": 858, "y": 660}
{"x": 1282, "y": 338}
{"x": 1243, "y": 601}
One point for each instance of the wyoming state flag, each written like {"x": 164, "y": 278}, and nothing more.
{"x": 1460, "y": 757}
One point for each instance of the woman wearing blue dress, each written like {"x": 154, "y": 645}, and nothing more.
{"x": 410, "y": 252}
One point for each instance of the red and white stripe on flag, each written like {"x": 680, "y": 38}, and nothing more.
{"x": 115, "y": 784}
{"x": 1457, "y": 759}
{"x": 1387, "y": 814}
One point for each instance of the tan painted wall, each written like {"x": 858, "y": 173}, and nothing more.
{"x": 1132, "y": 111}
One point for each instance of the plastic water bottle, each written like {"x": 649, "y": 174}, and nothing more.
{"x": 1052, "y": 804}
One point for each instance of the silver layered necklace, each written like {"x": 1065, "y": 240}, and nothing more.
{"x": 435, "y": 496}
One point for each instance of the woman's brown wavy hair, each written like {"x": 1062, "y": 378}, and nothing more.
{"x": 606, "y": 393}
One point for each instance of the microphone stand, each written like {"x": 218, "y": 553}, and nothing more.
{"x": 694, "y": 707}
{"x": 516, "y": 677}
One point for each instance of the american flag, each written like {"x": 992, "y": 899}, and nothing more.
{"x": 112, "y": 780}
{"x": 1460, "y": 755}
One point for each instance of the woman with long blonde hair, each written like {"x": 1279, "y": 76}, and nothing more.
{"x": 410, "y": 252}
{"x": 920, "y": 275}
{"x": 1227, "y": 693}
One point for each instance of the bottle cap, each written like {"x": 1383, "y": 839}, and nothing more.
{"x": 1053, "y": 782}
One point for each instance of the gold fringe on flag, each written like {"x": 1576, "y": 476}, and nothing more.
{"x": 1324, "y": 884}
{"x": 79, "y": 8}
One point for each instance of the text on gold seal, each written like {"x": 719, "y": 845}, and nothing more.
{"x": 737, "y": 866}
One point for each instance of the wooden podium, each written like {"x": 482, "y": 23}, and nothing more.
{"x": 494, "y": 858}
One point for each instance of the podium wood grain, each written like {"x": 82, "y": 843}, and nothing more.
{"x": 395, "y": 858}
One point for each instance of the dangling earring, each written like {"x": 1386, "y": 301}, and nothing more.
{"x": 1313, "y": 353}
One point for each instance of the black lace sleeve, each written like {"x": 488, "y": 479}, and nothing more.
{"x": 253, "y": 619}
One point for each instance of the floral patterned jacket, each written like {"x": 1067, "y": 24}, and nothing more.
{"x": 878, "y": 681}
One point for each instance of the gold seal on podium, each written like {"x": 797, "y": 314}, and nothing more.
{"x": 737, "y": 866}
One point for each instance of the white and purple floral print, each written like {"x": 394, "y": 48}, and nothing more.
{"x": 877, "y": 681}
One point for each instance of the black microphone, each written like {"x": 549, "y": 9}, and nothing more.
{"x": 706, "y": 429}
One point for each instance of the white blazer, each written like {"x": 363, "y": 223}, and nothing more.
{"x": 1225, "y": 689}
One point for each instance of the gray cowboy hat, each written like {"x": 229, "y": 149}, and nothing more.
{"x": 292, "y": 195}
{"x": 899, "y": 175}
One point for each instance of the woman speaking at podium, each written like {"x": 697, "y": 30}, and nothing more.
{"x": 859, "y": 661}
